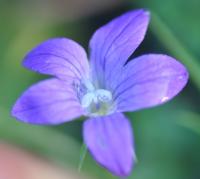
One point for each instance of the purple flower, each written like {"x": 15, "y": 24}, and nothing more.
{"x": 101, "y": 89}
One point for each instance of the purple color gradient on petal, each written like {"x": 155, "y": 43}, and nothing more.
{"x": 112, "y": 44}
{"x": 110, "y": 141}
{"x": 48, "y": 102}
{"x": 60, "y": 57}
{"x": 114, "y": 86}
{"x": 149, "y": 80}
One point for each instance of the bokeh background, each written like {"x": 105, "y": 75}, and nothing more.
{"x": 167, "y": 138}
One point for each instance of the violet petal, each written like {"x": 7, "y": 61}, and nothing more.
{"x": 110, "y": 141}
{"x": 60, "y": 57}
{"x": 47, "y": 102}
{"x": 149, "y": 80}
{"x": 112, "y": 44}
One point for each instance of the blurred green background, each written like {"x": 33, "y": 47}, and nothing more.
{"x": 167, "y": 138}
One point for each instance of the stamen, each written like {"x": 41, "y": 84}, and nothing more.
{"x": 87, "y": 100}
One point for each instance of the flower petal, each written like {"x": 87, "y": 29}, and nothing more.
{"x": 110, "y": 141}
{"x": 60, "y": 57}
{"x": 112, "y": 44}
{"x": 47, "y": 102}
{"x": 149, "y": 80}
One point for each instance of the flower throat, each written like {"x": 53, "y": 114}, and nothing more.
{"x": 95, "y": 101}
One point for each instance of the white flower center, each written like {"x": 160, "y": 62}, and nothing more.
{"x": 96, "y": 102}
{"x": 96, "y": 96}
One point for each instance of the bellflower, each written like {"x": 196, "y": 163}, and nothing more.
{"x": 101, "y": 89}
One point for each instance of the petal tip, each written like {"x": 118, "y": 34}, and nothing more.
{"x": 184, "y": 78}
{"x": 145, "y": 12}
{"x": 15, "y": 112}
{"x": 25, "y": 63}
{"x": 124, "y": 172}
